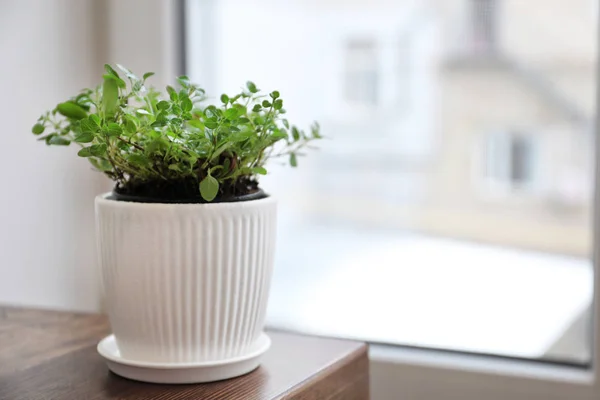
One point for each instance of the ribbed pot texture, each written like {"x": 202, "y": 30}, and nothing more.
{"x": 186, "y": 282}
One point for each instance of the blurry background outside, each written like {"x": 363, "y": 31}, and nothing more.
{"x": 450, "y": 205}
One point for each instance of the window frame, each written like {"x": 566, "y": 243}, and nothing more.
{"x": 396, "y": 372}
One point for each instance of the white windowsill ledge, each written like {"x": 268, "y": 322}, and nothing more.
{"x": 427, "y": 292}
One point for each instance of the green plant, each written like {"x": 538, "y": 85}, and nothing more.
{"x": 175, "y": 146}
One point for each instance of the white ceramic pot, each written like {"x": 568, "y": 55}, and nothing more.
{"x": 186, "y": 283}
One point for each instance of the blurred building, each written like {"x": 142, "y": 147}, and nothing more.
{"x": 465, "y": 118}
{"x": 515, "y": 160}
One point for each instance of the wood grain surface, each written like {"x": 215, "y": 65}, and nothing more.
{"x": 52, "y": 355}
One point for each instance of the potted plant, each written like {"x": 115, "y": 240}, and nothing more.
{"x": 186, "y": 238}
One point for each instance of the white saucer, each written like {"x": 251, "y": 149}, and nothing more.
{"x": 207, "y": 371}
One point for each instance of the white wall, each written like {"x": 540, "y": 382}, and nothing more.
{"x": 47, "y": 255}
{"x": 49, "y": 50}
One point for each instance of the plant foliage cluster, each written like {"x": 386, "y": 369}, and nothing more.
{"x": 175, "y": 145}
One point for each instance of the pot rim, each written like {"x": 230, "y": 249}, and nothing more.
{"x": 104, "y": 200}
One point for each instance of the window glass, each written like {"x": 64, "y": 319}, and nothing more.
{"x": 390, "y": 232}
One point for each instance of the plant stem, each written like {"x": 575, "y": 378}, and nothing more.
{"x": 140, "y": 148}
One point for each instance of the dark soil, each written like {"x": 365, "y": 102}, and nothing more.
{"x": 185, "y": 191}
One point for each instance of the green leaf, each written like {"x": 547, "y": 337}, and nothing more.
{"x": 184, "y": 81}
{"x": 110, "y": 97}
{"x": 85, "y": 152}
{"x": 220, "y": 150}
{"x": 111, "y": 71}
{"x": 172, "y": 93}
{"x": 274, "y": 94}
{"x": 278, "y": 104}
{"x": 95, "y": 119}
{"x": 315, "y": 131}
{"x": 240, "y": 107}
{"x": 295, "y": 133}
{"x": 84, "y": 101}
{"x": 277, "y": 135}
{"x": 183, "y": 94}
{"x": 162, "y": 116}
{"x": 163, "y": 105}
{"x": 257, "y": 108}
{"x": 130, "y": 125}
{"x": 156, "y": 145}
{"x": 196, "y": 124}
{"x": 158, "y": 123}
{"x": 259, "y": 170}
{"x": 88, "y": 125}
{"x": 100, "y": 164}
{"x": 84, "y": 137}
{"x": 114, "y": 129}
{"x": 47, "y": 137}
{"x": 286, "y": 123}
{"x": 210, "y": 111}
{"x": 186, "y": 104}
{"x": 293, "y": 160}
{"x": 147, "y": 75}
{"x": 120, "y": 82}
{"x": 38, "y": 129}
{"x": 71, "y": 110}
{"x": 224, "y": 98}
{"x": 241, "y": 136}
{"x": 251, "y": 87}
{"x": 232, "y": 113}
{"x": 58, "y": 141}
{"x": 98, "y": 149}
{"x": 138, "y": 159}
{"x": 266, "y": 103}
{"x": 210, "y": 124}
{"x": 226, "y": 165}
{"x": 209, "y": 187}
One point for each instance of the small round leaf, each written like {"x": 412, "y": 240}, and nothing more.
{"x": 84, "y": 152}
{"x": 84, "y": 137}
{"x": 251, "y": 87}
{"x": 209, "y": 187}
{"x": 58, "y": 141}
{"x": 38, "y": 129}
{"x": 259, "y": 170}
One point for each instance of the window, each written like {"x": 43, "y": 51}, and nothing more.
{"x": 484, "y": 14}
{"x": 511, "y": 160}
{"x": 362, "y": 76}
{"x": 405, "y": 254}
